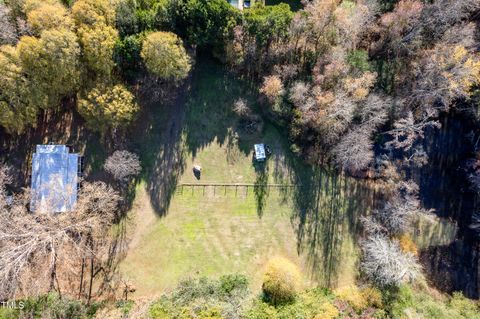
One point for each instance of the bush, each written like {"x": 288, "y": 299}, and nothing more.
{"x": 311, "y": 304}
{"x": 329, "y": 311}
{"x": 230, "y": 283}
{"x": 466, "y": 307}
{"x": 52, "y": 306}
{"x": 203, "y": 298}
{"x": 404, "y": 300}
{"x": 407, "y": 245}
{"x": 353, "y": 296}
{"x": 281, "y": 281}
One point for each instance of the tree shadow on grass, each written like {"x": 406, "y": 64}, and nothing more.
{"x": 210, "y": 115}
{"x": 157, "y": 138}
{"x": 327, "y": 211}
{"x": 453, "y": 267}
{"x": 260, "y": 188}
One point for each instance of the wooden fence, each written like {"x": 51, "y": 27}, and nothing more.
{"x": 219, "y": 187}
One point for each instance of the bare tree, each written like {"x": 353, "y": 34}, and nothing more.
{"x": 406, "y": 132}
{"x": 351, "y": 23}
{"x": 355, "y": 150}
{"x": 396, "y": 216}
{"x": 40, "y": 251}
{"x": 398, "y": 213}
{"x": 373, "y": 112}
{"x": 437, "y": 17}
{"x": 123, "y": 165}
{"x": 335, "y": 120}
{"x": 418, "y": 157}
{"x": 299, "y": 93}
{"x": 8, "y": 31}
{"x": 286, "y": 71}
{"x": 272, "y": 88}
{"x": 372, "y": 226}
{"x": 241, "y": 108}
{"x": 386, "y": 264}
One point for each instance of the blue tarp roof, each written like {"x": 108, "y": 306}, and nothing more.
{"x": 54, "y": 179}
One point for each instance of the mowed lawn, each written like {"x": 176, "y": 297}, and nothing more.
{"x": 213, "y": 231}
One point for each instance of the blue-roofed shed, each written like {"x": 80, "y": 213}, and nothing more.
{"x": 55, "y": 174}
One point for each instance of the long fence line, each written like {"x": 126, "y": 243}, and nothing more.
{"x": 192, "y": 186}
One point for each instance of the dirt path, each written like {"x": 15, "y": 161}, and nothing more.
{"x": 143, "y": 217}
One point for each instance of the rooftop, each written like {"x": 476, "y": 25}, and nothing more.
{"x": 54, "y": 179}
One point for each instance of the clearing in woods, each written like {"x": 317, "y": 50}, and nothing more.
{"x": 213, "y": 231}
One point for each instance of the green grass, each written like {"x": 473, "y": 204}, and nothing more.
{"x": 214, "y": 231}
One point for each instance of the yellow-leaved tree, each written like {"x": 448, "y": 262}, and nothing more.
{"x": 93, "y": 12}
{"x": 51, "y": 63}
{"x": 98, "y": 43}
{"x": 108, "y": 107}
{"x": 17, "y": 109}
{"x": 95, "y": 21}
{"x": 47, "y": 14}
{"x": 165, "y": 56}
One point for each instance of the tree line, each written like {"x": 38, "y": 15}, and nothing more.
{"x": 51, "y": 54}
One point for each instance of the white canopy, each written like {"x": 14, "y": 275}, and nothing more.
{"x": 260, "y": 152}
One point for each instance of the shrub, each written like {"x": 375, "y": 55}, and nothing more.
{"x": 466, "y": 307}
{"x": 203, "y": 298}
{"x": 353, "y": 296}
{"x": 262, "y": 310}
{"x": 52, "y": 306}
{"x": 230, "y": 283}
{"x": 397, "y": 299}
{"x": 373, "y": 296}
{"x": 407, "y": 245}
{"x": 329, "y": 311}
{"x": 281, "y": 281}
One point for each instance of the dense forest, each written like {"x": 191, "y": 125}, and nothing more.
{"x": 366, "y": 88}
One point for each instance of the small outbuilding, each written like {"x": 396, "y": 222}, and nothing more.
{"x": 260, "y": 154}
{"x": 55, "y": 178}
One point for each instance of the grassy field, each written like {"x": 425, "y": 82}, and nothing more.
{"x": 217, "y": 231}
{"x": 183, "y": 231}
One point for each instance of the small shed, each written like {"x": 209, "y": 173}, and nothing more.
{"x": 260, "y": 154}
{"x": 55, "y": 179}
